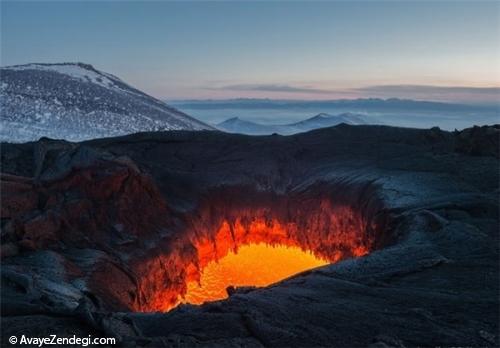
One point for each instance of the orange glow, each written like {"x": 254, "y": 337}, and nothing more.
{"x": 252, "y": 265}
{"x": 250, "y": 247}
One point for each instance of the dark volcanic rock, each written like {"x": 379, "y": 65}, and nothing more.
{"x": 479, "y": 141}
{"x": 96, "y": 232}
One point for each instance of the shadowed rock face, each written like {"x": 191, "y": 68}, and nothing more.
{"x": 97, "y": 231}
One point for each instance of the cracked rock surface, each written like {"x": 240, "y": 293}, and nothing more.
{"x": 86, "y": 227}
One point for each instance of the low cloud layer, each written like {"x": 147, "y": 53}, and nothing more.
{"x": 460, "y": 94}
{"x": 274, "y": 88}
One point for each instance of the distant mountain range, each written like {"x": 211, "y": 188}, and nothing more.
{"x": 74, "y": 101}
{"x": 392, "y": 111}
{"x": 322, "y": 120}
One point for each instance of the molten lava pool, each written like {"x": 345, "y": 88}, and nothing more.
{"x": 252, "y": 265}
{"x": 252, "y": 248}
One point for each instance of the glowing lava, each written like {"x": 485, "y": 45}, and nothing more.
{"x": 271, "y": 246}
{"x": 253, "y": 265}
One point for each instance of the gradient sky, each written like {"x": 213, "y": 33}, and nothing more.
{"x": 293, "y": 50}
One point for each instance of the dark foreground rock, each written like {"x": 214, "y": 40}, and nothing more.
{"x": 97, "y": 235}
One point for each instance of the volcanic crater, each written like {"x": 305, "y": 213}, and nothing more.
{"x": 333, "y": 222}
{"x": 109, "y": 234}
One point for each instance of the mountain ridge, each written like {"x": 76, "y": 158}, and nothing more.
{"x": 321, "y": 120}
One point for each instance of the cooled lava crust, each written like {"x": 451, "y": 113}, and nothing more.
{"x": 100, "y": 237}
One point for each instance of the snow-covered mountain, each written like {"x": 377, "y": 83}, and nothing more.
{"x": 236, "y": 125}
{"x": 74, "y": 101}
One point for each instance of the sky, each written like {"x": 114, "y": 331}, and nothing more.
{"x": 448, "y": 51}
